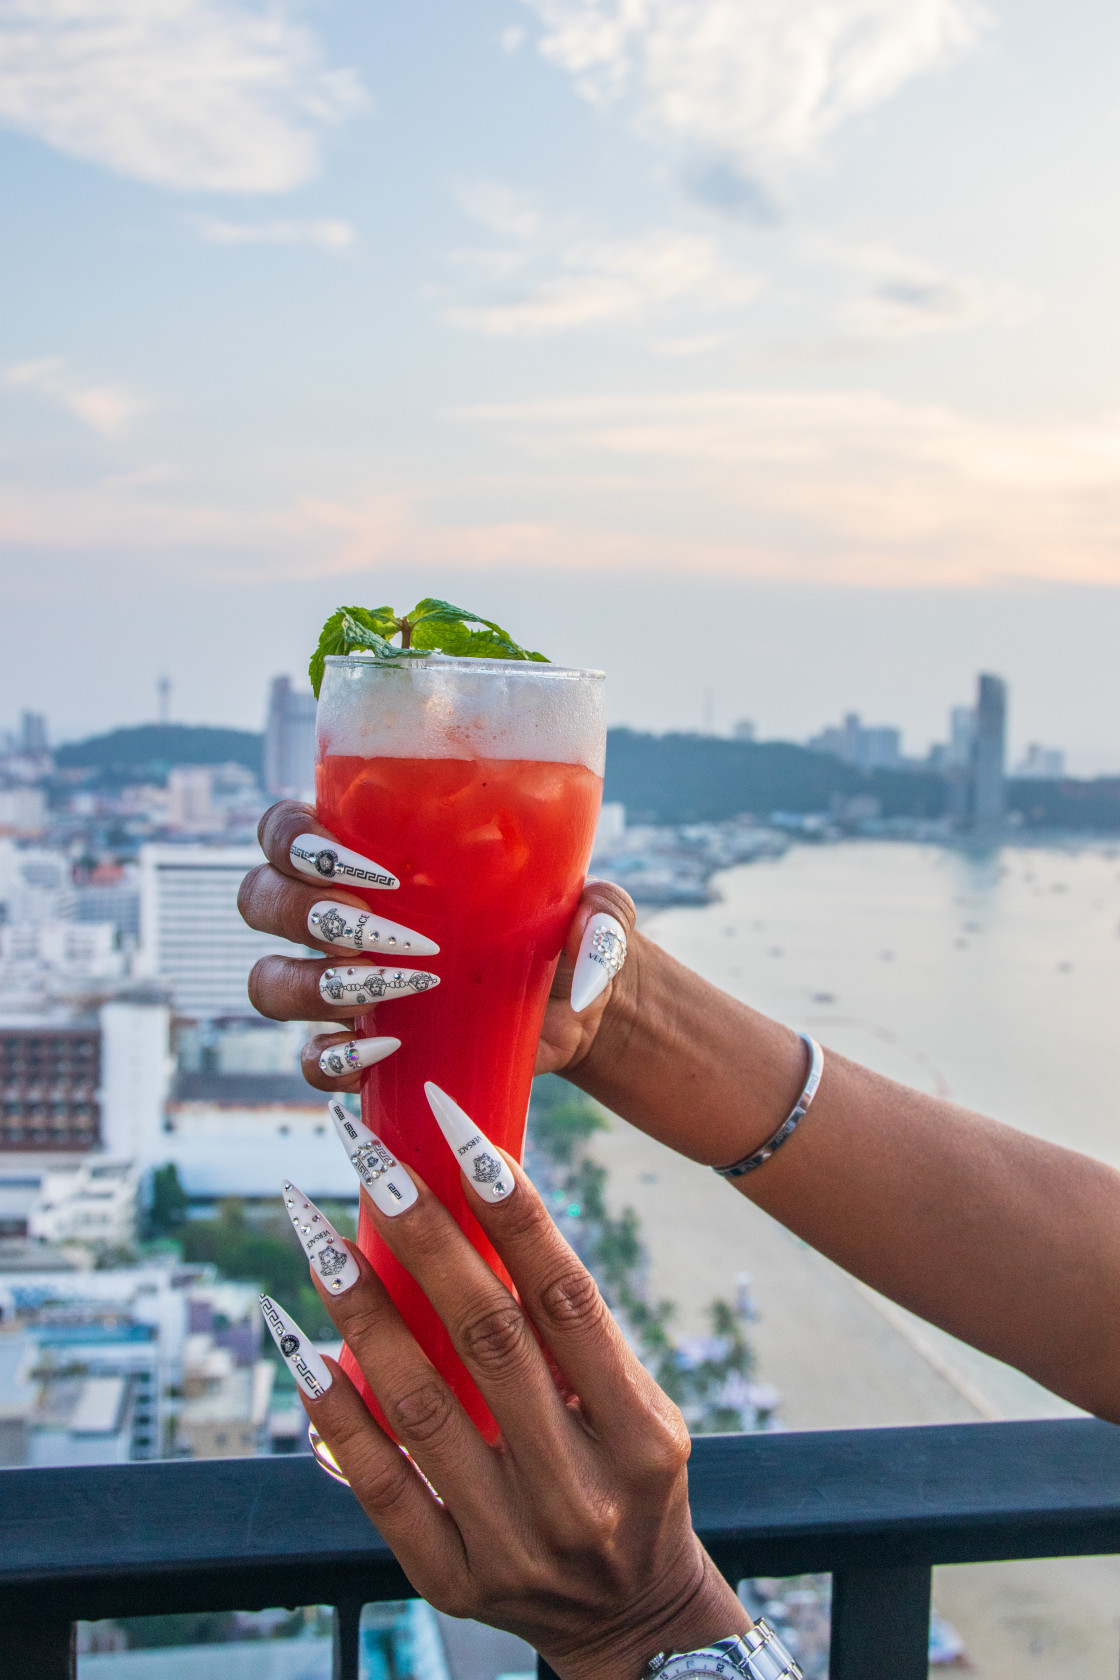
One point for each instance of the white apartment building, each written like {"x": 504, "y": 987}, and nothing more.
{"x": 93, "y": 1202}
{"x": 191, "y": 937}
{"x": 34, "y": 884}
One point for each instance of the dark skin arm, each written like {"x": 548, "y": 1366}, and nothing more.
{"x": 1007, "y": 1241}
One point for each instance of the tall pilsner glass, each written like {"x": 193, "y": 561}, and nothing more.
{"x": 477, "y": 782}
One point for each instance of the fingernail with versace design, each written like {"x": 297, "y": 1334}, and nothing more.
{"x": 322, "y": 1244}
{"x": 486, "y": 1172}
{"x": 326, "y": 860}
{"x": 339, "y": 1060}
{"x": 602, "y": 952}
{"x": 300, "y": 1354}
{"x": 390, "y": 1187}
{"x": 355, "y": 987}
{"x": 362, "y": 930}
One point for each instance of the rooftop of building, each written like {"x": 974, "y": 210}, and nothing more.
{"x": 244, "y": 1090}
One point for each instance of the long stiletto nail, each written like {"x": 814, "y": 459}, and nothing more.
{"x": 321, "y": 1242}
{"x": 300, "y": 1354}
{"x": 358, "y": 1053}
{"x": 390, "y": 1187}
{"x": 326, "y": 860}
{"x": 486, "y": 1171}
{"x": 369, "y": 985}
{"x": 362, "y": 930}
{"x": 602, "y": 952}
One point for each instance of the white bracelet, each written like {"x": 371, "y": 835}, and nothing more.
{"x": 789, "y": 1125}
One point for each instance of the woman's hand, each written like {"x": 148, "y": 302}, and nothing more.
{"x": 304, "y": 893}
{"x": 573, "y": 1530}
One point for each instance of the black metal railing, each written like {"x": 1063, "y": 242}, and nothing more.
{"x": 877, "y": 1508}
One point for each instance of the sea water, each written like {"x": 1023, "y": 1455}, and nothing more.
{"x": 991, "y": 977}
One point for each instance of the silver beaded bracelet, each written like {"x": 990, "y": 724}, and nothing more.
{"x": 789, "y": 1125}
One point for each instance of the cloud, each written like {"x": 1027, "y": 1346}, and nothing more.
{"x": 501, "y": 210}
{"x": 106, "y": 409}
{"x": 726, "y": 186}
{"x": 845, "y": 486}
{"x": 895, "y": 296}
{"x": 610, "y": 281}
{"x": 837, "y": 487}
{"x": 328, "y": 235}
{"x": 760, "y": 82}
{"x": 569, "y": 282}
{"x": 202, "y": 95}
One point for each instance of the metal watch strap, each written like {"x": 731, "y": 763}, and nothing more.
{"x": 757, "y": 1654}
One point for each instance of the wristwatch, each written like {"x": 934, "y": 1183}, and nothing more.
{"x": 757, "y": 1654}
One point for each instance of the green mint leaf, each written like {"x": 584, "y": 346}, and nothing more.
{"x": 438, "y": 624}
{"x": 431, "y": 626}
{"x": 331, "y": 641}
{"x": 349, "y": 628}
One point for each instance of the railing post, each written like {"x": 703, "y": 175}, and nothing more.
{"x": 345, "y": 1640}
{"x": 880, "y": 1624}
{"x": 47, "y": 1650}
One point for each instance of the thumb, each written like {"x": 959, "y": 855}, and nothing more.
{"x": 597, "y": 940}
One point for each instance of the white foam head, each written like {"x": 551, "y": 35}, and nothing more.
{"x": 462, "y": 708}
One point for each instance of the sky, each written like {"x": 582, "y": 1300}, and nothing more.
{"x": 761, "y": 352}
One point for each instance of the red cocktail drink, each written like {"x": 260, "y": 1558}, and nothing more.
{"x": 490, "y": 840}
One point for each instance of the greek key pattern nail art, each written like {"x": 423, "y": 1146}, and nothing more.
{"x": 326, "y": 860}
{"x": 321, "y": 1243}
{"x": 299, "y": 1353}
{"x": 347, "y": 986}
{"x": 486, "y": 1171}
{"x": 361, "y": 930}
{"x": 390, "y": 1186}
{"x": 338, "y": 1060}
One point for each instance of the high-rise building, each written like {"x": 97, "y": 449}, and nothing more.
{"x": 50, "y": 1074}
{"x": 33, "y": 735}
{"x": 875, "y": 748}
{"x": 192, "y": 939}
{"x": 289, "y": 742}
{"x": 190, "y": 798}
{"x": 1041, "y": 764}
{"x": 989, "y": 751}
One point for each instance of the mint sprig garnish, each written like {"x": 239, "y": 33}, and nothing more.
{"x": 431, "y": 627}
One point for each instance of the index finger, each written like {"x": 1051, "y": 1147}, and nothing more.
{"x": 295, "y": 842}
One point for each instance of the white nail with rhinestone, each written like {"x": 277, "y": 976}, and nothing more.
{"x": 390, "y": 1187}
{"x": 322, "y": 1244}
{"x": 350, "y": 987}
{"x": 300, "y": 1355}
{"x": 362, "y": 930}
{"x": 358, "y": 1053}
{"x": 485, "y": 1169}
{"x": 325, "y": 860}
{"x": 602, "y": 952}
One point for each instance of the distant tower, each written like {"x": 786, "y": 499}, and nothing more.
{"x": 163, "y": 690}
{"x": 988, "y": 756}
{"x": 289, "y": 742}
{"x": 33, "y": 734}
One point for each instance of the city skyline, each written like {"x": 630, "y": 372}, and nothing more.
{"x": 288, "y": 737}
